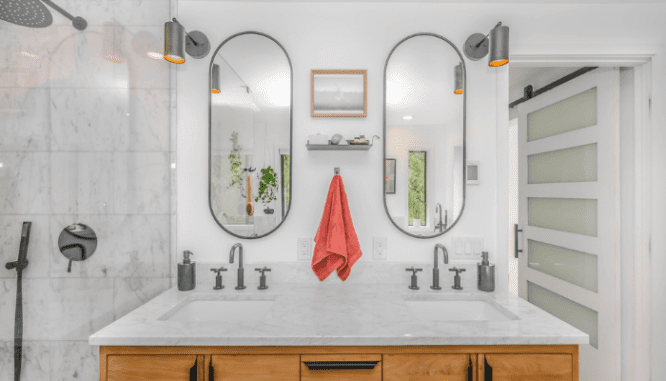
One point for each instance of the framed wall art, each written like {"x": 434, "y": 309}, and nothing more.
{"x": 339, "y": 93}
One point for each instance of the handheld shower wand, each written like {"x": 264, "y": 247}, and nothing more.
{"x": 20, "y": 265}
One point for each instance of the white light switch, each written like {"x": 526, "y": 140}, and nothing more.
{"x": 303, "y": 249}
{"x": 379, "y": 248}
{"x": 466, "y": 248}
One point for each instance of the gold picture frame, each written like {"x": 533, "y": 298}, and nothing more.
{"x": 337, "y": 93}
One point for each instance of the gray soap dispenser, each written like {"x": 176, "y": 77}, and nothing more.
{"x": 485, "y": 274}
{"x": 187, "y": 273}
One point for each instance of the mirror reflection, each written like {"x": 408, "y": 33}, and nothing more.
{"x": 250, "y": 135}
{"x": 424, "y": 125}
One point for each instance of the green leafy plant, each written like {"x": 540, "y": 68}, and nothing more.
{"x": 268, "y": 186}
{"x": 235, "y": 162}
{"x": 416, "y": 187}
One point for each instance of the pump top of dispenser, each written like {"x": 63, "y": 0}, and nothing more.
{"x": 484, "y": 258}
{"x": 186, "y": 257}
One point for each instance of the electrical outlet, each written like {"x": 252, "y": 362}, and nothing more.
{"x": 380, "y": 250}
{"x": 303, "y": 249}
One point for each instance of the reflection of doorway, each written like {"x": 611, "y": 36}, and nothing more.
{"x": 557, "y": 262}
{"x": 284, "y": 183}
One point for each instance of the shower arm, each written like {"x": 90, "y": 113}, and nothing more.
{"x": 78, "y": 22}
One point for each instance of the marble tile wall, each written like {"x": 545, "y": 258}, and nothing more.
{"x": 87, "y": 139}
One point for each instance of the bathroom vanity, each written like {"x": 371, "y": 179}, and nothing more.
{"x": 336, "y": 332}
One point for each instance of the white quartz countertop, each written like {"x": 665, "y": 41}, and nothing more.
{"x": 337, "y": 314}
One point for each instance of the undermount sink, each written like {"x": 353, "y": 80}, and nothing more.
{"x": 456, "y": 309}
{"x": 216, "y": 310}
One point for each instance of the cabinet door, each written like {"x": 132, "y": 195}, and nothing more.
{"x": 420, "y": 367}
{"x": 151, "y": 367}
{"x": 526, "y": 367}
{"x": 255, "y": 367}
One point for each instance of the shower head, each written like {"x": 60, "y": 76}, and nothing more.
{"x": 34, "y": 14}
{"x": 30, "y": 13}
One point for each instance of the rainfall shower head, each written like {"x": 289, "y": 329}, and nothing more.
{"x": 30, "y": 13}
{"x": 33, "y": 13}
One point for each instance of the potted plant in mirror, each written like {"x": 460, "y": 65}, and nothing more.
{"x": 268, "y": 187}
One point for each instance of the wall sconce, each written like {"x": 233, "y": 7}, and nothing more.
{"x": 459, "y": 89}
{"x": 177, "y": 40}
{"x": 215, "y": 79}
{"x": 476, "y": 46}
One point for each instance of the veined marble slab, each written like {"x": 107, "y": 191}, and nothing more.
{"x": 337, "y": 314}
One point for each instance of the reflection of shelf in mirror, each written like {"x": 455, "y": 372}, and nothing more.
{"x": 334, "y": 147}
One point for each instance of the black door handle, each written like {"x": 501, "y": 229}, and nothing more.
{"x": 515, "y": 239}
{"x": 321, "y": 365}
{"x": 470, "y": 370}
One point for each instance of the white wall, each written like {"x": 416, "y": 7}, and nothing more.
{"x": 360, "y": 36}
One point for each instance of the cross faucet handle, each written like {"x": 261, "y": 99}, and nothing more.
{"x": 263, "y": 270}
{"x": 218, "y": 270}
{"x": 458, "y": 271}
{"x": 413, "y": 270}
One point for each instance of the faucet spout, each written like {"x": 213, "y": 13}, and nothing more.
{"x": 444, "y": 252}
{"x": 241, "y": 271}
{"x": 240, "y": 254}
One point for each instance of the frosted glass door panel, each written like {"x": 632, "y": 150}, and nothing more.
{"x": 577, "y": 315}
{"x": 573, "y": 215}
{"x": 575, "y": 267}
{"x": 571, "y": 165}
{"x": 574, "y": 113}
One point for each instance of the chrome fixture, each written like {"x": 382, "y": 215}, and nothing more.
{"x": 413, "y": 285}
{"x": 441, "y": 226}
{"x": 476, "y": 46}
{"x": 20, "y": 264}
{"x": 456, "y": 279}
{"x": 177, "y": 41}
{"x": 262, "y": 278}
{"x": 458, "y": 79}
{"x": 241, "y": 285}
{"x": 435, "y": 270}
{"x": 218, "y": 278}
{"x": 33, "y": 14}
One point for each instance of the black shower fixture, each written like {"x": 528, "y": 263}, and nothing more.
{"x": 34, "y": 14}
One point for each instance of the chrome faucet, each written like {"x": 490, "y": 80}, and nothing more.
{"x": 241, "y": 285}
{"x": 440, "y": 226}
{"x": 435, "y": 270}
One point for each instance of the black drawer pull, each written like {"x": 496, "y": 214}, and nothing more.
{"x": 321, "y": 365}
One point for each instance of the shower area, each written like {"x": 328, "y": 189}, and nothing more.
{"x": 87, "y": 137}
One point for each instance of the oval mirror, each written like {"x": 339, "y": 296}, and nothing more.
{"x": 424, "y": 127}
{"x": 250, "y": 135}
{"x": 77, "y": 242}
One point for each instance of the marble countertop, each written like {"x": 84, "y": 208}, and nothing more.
{"x": 337, "y": 314}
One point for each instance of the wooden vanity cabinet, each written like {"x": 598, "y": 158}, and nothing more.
{"x": 255, "y": 368}
{"x": 392, "y": 363}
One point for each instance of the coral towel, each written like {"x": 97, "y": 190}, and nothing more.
{"x": 336, "y": 246}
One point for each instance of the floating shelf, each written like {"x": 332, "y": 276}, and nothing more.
{"x": 335, "y": 147}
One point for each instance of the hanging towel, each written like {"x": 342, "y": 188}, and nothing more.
{"x": 336, "y": 245}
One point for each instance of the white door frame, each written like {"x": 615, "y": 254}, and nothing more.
{"x": 636, "y": 351}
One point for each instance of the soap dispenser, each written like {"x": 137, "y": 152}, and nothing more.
{"x": 187, "y": 273}
{"x": 485, "y": 274}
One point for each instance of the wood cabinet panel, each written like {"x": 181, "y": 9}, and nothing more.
{"x": 255, "y": 367}
{"x": 149, "y": 367}
{"x": 530, "y": 367}
{"x": 421, "y": 367}
{"x": 342, "y": 374}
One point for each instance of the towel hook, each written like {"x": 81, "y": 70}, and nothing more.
{"x": 336, "y": 170}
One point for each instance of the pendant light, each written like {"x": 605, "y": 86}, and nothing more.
{"x": 177, "y": 41}
{"x": 477, "y": 46}
{"x": 215, "y": 79}
{"x": 458, "y": 71}
{"x": 174, "y": 42}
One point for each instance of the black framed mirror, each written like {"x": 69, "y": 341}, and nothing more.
{"x": 423, "y": 170}
{"x": 250, "y": 135}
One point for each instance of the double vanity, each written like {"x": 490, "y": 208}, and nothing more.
{"x": 337, "y": 332}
